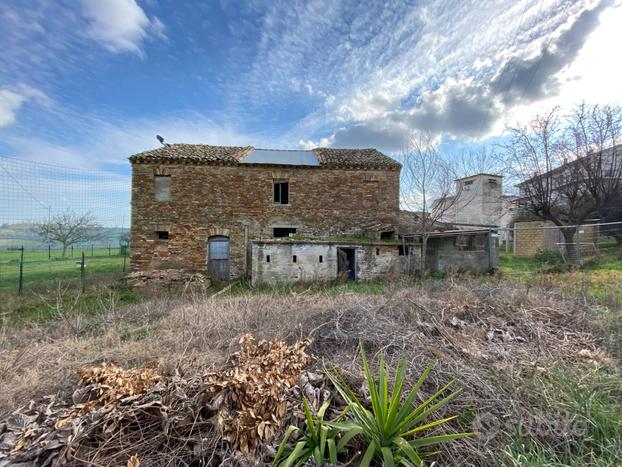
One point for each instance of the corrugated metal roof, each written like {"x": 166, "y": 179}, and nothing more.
{"x": 281, "y": 157}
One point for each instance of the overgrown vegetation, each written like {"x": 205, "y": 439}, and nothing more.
{"x": 538, "y": 383}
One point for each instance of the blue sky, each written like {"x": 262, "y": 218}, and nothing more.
{"x": 86, "y": 83}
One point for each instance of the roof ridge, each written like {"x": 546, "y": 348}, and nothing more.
{"x": 284, "y": 150}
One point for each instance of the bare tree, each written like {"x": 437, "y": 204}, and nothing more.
{"x": 568, "y": 166}
{"x": 69, "y": 228}
{"x": 428, "y": 187}
{"x": 595, "y": 133}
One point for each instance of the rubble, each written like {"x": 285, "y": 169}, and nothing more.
{"x": 167, "y": 278}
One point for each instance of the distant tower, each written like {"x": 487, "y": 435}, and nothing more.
{"x": 480, "y": 200}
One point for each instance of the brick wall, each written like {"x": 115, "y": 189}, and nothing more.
{"x": 533, "y": 236}
{"x": 529, "y": 237}
{"x": 236, "y": 201}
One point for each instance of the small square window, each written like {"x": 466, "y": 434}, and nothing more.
{"x": 377, "y": 251}
{"x": 280, "y": 192}
{"x": 281, "y": 232}
{"x": 162, "y": 235}
{"x": 321, "y": 259}
{"x": 267, "y": 258}
{"x": 294, "y": 258}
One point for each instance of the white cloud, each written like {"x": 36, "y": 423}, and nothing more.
{"x": 10, "y": 102}
{"x": 120, "y": 25}
{"x": 12, "y": 98}
{"x": 440, "y": 83}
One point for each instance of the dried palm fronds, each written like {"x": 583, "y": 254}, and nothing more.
{"x": 113, "y": 382}
{"x": 250, "y": 397}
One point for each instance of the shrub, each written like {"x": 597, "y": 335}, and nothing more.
{"x": 318, "y": 440}
{"x": 550, "y": 261}
{"x": 392, "y": 428}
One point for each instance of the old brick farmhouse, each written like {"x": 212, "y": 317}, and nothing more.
{"x": 200, "y": 207}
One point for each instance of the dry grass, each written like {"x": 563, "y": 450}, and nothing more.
{"x": 492, "y": 338}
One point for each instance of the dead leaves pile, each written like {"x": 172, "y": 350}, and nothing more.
{"x": 113, "y": 382}
{"x": 250, "y": 397}
{"x": 117, "y": 416}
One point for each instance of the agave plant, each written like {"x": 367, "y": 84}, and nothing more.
{"x": 318, "y": 440}
{"x": 395, "y": 427}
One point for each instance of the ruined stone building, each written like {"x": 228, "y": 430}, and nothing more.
{"x": 200, "y": 207}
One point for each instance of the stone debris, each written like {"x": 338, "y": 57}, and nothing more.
{"x": 167, "y": 278}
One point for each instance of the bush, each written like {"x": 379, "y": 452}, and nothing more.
{"x": 550, "y": 261}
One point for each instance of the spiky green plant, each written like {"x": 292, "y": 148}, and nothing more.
{"x": 318, "y": 439}
{"x": 395, "y": 427}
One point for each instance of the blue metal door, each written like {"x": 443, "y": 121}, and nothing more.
{"x": 218, "y": 257}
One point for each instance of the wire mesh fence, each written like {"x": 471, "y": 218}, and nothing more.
{"x": 572, "y": 244}
{"x": 23, "y": 269}
{"x": 33, "y": 194}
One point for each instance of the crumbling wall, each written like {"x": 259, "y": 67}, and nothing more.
{"x": 273, "y": 261}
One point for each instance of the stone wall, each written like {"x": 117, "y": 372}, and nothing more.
{"x": 273, "y": 261}
{"x": 237, "y": 202}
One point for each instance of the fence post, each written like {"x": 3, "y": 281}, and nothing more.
{"x": 578, "y": 245}
{"x": 21, "y": 271}
{"x": 91, "y": 250}
{"x": 82, "y": 272}
{"x": 490, "y": 262}
{"x": 109, "y": 249}
{"x": 124, "y": 258}
{"x": 49, "y": 251}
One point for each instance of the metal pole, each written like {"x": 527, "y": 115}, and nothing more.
{"x": 91, "y": 250}
{"x": 49, "y": 251}
{"x": 109, "y": 249}
{"x": 82, "y": 272}
{"x": 72, "y": 251}
{"x": 124, "y": 258}
{"x": 578, "y": 245}
{"x": 21, "y": 271}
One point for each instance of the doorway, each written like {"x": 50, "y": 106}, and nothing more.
{"x": 346, "y": 263}
{"x": 218, "y": 257}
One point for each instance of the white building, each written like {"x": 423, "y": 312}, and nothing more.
{"x": 479, "y": 202}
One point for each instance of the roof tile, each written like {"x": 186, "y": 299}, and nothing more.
{"x": 233, "y": 155}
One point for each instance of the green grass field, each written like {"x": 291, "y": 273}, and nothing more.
{"x": 41, "y": 269}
